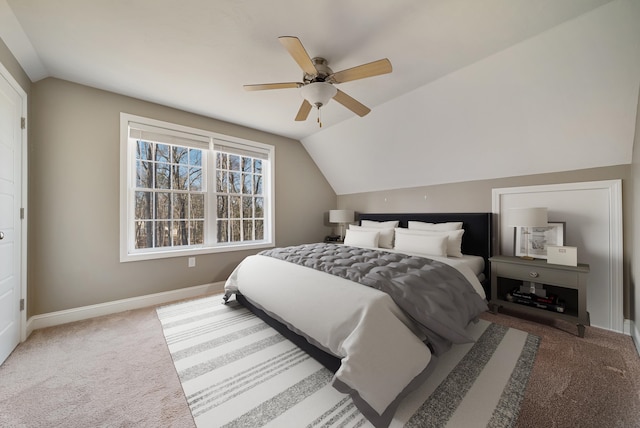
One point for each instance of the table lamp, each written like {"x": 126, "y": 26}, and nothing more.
{"x": 342, "y": 217}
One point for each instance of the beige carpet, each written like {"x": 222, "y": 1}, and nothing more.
{"x": 112, "y": 371}
{"x": 116, "y": 371}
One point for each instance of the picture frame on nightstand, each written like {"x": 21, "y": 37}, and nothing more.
{"x": 539, "y": 239}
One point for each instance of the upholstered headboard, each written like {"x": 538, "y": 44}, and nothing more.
{"x": 477, "y": 236}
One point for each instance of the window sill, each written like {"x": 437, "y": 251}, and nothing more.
{"x": 153, "y": 255}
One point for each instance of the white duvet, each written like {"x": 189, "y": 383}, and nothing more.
{"x": 380, "y": 347}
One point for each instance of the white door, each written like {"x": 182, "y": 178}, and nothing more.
{"x": 10, "y": 227}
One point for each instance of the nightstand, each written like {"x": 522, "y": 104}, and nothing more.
{"x": 567, "y": 283}
{"x": 333, "y": 240}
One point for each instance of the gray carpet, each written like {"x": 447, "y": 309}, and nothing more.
{"x": 237, "y": 371}
{"x": 116, "y": 371}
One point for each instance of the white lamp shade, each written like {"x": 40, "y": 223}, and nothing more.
{"x": 527, "y": 217}
{"x": 340, "y": 216}
{"x": 318, "y": 93}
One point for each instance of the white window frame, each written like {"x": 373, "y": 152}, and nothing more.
{"x": 127, "y": 191}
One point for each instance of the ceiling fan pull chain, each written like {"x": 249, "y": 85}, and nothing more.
{"x": 319, "y": 117}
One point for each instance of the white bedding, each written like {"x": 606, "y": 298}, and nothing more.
{"x": 475, "y": 263}
{"x": 361, "y": 325}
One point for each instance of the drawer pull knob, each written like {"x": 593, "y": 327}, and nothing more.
{"x": 533, "y": 274}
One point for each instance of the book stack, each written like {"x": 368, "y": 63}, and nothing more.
{"x": 549, "y": 302}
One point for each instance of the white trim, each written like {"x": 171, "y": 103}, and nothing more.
{"x": 159, "y": 254}
{"x": 24, "y": 199}
{"x": 85, "y": 312}
{"x": 614, "y": 187}
{"x": 634, "y": 333}
{"x": 25, "y": 219}
{"x": 127, "y": 173}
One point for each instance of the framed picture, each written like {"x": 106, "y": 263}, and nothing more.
{"x": 538, "y": 239}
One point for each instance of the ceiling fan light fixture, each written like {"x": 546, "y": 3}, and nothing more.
{"x": 318, "y": 94}
{"x": 317, "y": 89}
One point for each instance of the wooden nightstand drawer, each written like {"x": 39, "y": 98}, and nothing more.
{"x": 538, "y": 274}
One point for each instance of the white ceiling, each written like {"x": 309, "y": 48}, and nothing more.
{"x": 566, "y": 99}
{"x": 195, "y": 55}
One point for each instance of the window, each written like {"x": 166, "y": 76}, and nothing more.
{"x": 169, "y": 195}
{"x": 239, "y": 197}
{"x": 186, "y": 191}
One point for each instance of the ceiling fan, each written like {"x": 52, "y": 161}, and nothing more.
{"x": 317, "y": 86}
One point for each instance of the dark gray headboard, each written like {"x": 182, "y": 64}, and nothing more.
{"x": 475, "y": 241}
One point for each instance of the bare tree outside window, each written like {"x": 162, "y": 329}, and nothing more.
{"x": 169, "y": 197}
{"x": 188, "y": 191}
{"x": 239, "y": 198}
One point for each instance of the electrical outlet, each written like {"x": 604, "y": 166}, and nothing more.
{"x": 192, "y": 261}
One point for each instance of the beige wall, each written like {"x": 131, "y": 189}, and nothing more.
{"x": 469, "y": 196}
{"x": 475, "y": 196}
{"x": 11, "y": 64}
{"x": 74, "y": 200}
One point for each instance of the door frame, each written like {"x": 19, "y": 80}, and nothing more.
{"x": 23, "y": 199}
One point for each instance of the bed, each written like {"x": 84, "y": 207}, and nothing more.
{"x": 380, "y": 341}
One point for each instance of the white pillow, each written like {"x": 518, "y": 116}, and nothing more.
{"x": 428, "y": 245}
{"x": 454, "y": 239}
{"x": 420, "y": 225}
{"x": 361, "y": 238}
{"x": 385, "y": 238}
{"x": 379, "y": 224}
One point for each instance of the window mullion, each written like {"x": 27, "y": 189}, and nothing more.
{"x": 169, "y": 192}
{"x": 211, "y": 216}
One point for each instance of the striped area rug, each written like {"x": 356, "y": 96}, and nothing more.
{"x": 236, "y": 371}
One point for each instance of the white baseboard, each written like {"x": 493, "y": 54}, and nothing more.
{"x": 85, "y": 312}
{"x": 92, "y": 311}
{"x": 635, "y": 334}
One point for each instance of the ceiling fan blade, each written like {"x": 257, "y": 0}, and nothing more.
{"x": 263, "y": 86}
{"x": 299, "y": 54}
{"x": 303, "y": 113}
{"x": 375, "y": 68}
{"x": 351, "y": 103}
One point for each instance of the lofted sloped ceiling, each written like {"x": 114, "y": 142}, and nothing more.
{"x": 477, "y": 85}
{"x": 563, "y": 100}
